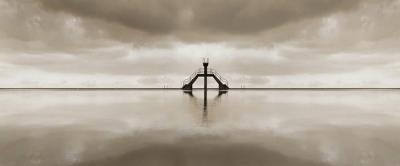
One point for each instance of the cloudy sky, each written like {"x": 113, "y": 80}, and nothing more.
{"x": 152, "y": 43}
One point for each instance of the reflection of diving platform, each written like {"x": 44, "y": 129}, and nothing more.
{"x": 204, "y": 72}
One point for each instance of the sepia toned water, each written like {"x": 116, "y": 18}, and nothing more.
{"x": 172, "y": 128}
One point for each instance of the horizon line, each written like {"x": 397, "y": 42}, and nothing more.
{"x": 294, "y": 88}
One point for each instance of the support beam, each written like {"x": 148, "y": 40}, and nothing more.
{"x": 205, "y": 65}
{"x": 221, "y": 86}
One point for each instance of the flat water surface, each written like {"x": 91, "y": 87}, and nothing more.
{"x": 172, "y": 128}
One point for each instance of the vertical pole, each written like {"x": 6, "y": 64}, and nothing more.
{"x": 205, "y": 65}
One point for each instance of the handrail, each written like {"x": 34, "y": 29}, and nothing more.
{"x": 222, "y": 79}
{"x": 201, "y": 71}
{"x": 189, "y": 79}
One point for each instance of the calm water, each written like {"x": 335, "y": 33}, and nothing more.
{"x": 172, "y": 128}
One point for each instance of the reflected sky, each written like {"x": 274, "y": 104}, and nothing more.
{"x": 168, "y": 127}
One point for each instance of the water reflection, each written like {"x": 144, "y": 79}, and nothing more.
{"x": 105, "y": 128}
{"x": 216, "y": 99}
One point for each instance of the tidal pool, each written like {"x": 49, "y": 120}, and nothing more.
{"x": 172, "y": 128}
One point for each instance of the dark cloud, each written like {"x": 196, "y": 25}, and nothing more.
{"x": 238, "y": 16}
{"x": 174, "y": 16}
{"x": 156, "y": 16}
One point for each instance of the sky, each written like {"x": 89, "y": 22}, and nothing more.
{"x": 158, "y": 43}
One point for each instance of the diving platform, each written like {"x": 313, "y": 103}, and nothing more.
{"x": 187, "y": 84}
